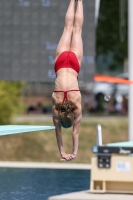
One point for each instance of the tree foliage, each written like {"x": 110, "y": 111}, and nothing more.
{"x": 9, "y": 100}
{"x": 108, "y": 31}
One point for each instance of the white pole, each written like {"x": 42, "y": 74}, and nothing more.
{"x": 130, "y": 58}
{"x": 97, "y": 7}
{"x": 99, "y": 135}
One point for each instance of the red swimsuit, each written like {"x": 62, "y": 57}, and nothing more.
{"x": 67, "y": 59}
{"x": 65, "y": 93}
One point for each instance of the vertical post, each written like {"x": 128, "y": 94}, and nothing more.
{"x": 130, "y": 58}
{"x": 97, "y": 7}
{"x": 99, "y": 135}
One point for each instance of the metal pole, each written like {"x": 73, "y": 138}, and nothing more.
{"x": 99, "y": 135}
{"x": 130, "y": 58}
{"x": 97, "y": 7}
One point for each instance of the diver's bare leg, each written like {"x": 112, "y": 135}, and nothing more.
{"x": 77, "y": 43}
{"x": 65, "y": 41}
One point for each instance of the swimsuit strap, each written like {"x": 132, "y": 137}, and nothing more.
{"x": 65, "y": 93}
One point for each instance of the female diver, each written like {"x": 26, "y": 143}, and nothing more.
{"x": 66, "y": 97}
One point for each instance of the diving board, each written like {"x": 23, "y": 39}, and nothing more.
{"x": 116, "y": 148}
{"x": 121, "y": 144}
{"x": 15, "y": 129}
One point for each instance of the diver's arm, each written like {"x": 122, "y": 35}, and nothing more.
{"x": 75, "y": 135}
{"x": 58, "y": 136}
{"x": 64, "y": 156}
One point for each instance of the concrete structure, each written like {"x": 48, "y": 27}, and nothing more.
{"x": 86, "y": 195}
{"x": 116, "y": 179}
{"x": 44, "y": 165}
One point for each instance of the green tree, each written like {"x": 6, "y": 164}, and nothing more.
{"x": 10, "y": 93}
{"x": 108, "y": 31}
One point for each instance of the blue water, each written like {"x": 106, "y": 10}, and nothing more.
{"x": 39, "y": 184}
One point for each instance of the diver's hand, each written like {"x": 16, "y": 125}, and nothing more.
{"x": 67, "y": 157}
{"x": 73, "y": 156}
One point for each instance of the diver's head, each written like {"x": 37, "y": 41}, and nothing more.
{"x": 66, "y": 114}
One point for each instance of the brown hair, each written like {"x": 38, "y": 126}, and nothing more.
{"x": 65, "y": 113}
